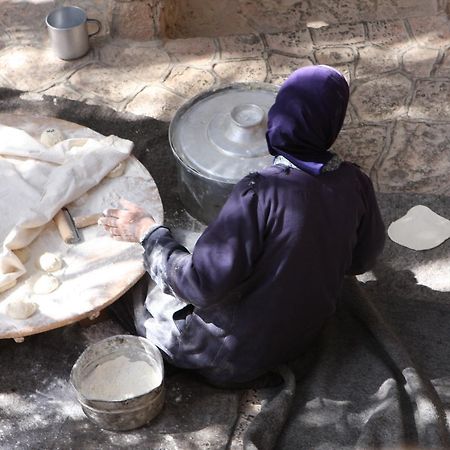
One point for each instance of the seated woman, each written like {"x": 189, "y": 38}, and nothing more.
{"x": 267, "y": 273}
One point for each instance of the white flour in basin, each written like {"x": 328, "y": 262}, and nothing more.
{"x": 120, "y": 379}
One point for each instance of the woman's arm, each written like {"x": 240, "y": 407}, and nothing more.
{"x": 223, "y": 256}
{"x": 371, "y": 233}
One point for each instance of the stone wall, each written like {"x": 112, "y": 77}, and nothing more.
{"x": 140, "y": 20}
{"x": 144, "y": 20}
{"x": 191, "y": 18}
{"x": 150, "y": 19}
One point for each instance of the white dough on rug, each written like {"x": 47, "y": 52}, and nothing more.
{"x": 20, "y": 309}
{"x": 51, "y": 136}
{"x": 420, "y": 229}
{"x": 49, "y": 262}
{"x": 45, "y": 284}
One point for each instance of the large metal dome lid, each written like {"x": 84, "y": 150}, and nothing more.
{"x": 220, "y": 133}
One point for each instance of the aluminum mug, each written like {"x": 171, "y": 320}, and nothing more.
{"x": 67, "y": 28}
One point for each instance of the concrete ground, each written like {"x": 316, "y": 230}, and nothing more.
{"x": 395, "y": 55}
{"x": 397, "y": 61}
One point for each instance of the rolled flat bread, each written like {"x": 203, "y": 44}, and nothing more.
{"x": 420, "y": 229}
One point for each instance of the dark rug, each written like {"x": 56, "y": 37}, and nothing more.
{"x": 378, "y": 377}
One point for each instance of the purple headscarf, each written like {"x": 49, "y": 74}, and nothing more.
{"x": 307, "y": 116}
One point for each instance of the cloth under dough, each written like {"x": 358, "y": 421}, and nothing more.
{"x": 23, "y": 254}
{"x": 38, "y": 181}
{"x": 7, "y": 285}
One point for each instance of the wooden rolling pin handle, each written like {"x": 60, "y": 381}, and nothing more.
{"x": 86, "y": 221}
{"x": 64, "y": 227}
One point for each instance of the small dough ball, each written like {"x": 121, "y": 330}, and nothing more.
{"x": 20, "y": 309}
{"x": 45, "y": 284}
{"x": 8, "y": 285}
{"x": 51, "y": 136}
{"x": 118, "y": 170}
{"x": 23, "y": 254}
{"x": 49, "y": 262}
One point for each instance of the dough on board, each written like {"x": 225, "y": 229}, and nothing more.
{"x": 117, "y": 171}
{"x": 45, "y": 284}
{"x": 49, "y": 262}
{"x": 20, "y": 309}
{"x": 51, "y": 136}
{"x": 420, "y": 229}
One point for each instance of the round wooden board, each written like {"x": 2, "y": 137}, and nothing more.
{"x": 96, "y": 271}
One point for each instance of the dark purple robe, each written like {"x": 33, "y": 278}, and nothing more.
{"x": 267, "y": 273}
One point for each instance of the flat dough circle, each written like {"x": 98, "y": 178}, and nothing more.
{"x": 45, "y": 284}
{"x": 23, "y": 254}
{"x": 7, "y": 286}
{"x": 20, "y": 309}
{"x": 49, "y": 262}
{"x": 420, "y": 229}
{"x": 117, "y": 171}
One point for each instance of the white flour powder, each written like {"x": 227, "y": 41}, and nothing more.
{"x": 120, "y": 379}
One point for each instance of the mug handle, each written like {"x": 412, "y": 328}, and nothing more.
{"x": 99, "y": 25}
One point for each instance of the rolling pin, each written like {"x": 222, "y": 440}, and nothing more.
{"x": 68, "y": 226}
{"x": 86, "y": 221}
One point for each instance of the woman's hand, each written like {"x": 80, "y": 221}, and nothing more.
{"x": 128, "y": 224}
